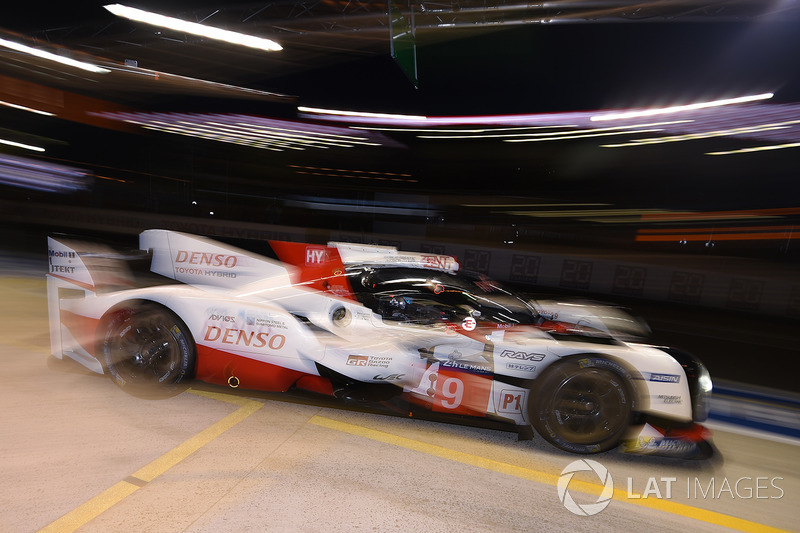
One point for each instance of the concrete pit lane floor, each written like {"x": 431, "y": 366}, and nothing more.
{"x": 77, "y": 453}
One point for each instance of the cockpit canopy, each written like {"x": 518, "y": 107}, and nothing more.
{"x": 428, "y": 297}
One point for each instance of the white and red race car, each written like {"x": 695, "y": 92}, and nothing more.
{"x": 372, "y": 324}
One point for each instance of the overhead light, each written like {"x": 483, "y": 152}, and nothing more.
{"x": 747, "y": 130}
{"x": 250, "y": 131}
{"x": 678, "y": 108}
{"x": 359, "y": 114}
{"x": 25, "y": 49}
{"x": 25, "y": 108}
{"x": 757, "y": 149}
{"x": 194, "y": 28}
{"x": 21, "y": 145}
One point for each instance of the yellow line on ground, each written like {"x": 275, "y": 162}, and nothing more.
{"x": 176, "y": 455}
{"x": 118, "y": 492}
{"x": 542, "y": 477}
{"x": 79, "y": 516}
{"x": 437, "y": 451}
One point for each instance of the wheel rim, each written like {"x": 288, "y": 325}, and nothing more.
{"x": 590, "y": 407}
{"x": 143, "y": 350}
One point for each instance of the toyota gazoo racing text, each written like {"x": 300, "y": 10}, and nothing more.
{"x": 373, "y": 324}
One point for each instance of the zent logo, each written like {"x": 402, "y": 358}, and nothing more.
{"x": 588, "y": 509}
{"x": 437, "y": 261}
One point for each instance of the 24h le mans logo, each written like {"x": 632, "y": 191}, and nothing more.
{"x": 587, "y": 509}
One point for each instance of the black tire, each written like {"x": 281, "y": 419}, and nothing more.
{"x": 583, "y": 404}
{"x": 147, "y": 350}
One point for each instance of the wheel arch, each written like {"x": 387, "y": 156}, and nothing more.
{"x": 636, "y": 397}
{"x": 125, "y": 306}
{"x": 625, "y": 369}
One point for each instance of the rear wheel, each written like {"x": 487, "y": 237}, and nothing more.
{"x": 583, "y": 405}
{"x": 147, "y": 350}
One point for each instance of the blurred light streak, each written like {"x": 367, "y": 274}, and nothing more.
{"x": 721, "y": 215}
{"x": 361, "y": 114}
{"x": 110, "y": 179}
{"x": 680, "y": 108}
{"x": 194, "y": 28}
{"x": 656, "y": 231}
{"x": 21, "y": 145}
{"x": 41, "y": 176}
{"x": 362, "y": 207}
{"x": 582, "y": 213}
{"x": 466, "y": 134}
{"x": 161, "y": 75}
{"x": 388, "y": 119}
{"x": 768, "y": 123}
{"x": 536, "y": 205}
{"x": 24, "y": 108}
{"x": 744, "y": 120}
{"x": 706, "y": 135}
{"x": 756, "y": 149}
{"x": 587, "y": 135}
{"x": 351, "y": 173}
{"x": 52, "y": 57}
{"x": 250, "y": 131}
{"x": 354, "y": 176}
{"x": 717, "y": 236}
{"x": 464, "y": 130}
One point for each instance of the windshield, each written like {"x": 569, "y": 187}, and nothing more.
{"x": 428, "y": 296}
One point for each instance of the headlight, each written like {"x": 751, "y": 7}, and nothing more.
{"x": 700, "y": 397}
{"x": 699, "y": 380}
{"x": 704, "y": 380}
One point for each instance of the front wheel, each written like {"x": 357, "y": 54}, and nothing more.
{"x": 583, "y": 405}
{"x": 147, "y": 350}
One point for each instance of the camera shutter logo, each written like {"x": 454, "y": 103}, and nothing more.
{"x": 587, "y": 509}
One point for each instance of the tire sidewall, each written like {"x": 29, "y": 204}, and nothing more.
{"x": 174, "y": 383}
{"x": 541, "y": 412}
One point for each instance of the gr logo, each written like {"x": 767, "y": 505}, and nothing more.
{"x": 357, "y": 360}
{"x": 587, "y": 509}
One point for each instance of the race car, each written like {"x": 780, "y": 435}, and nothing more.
{"x": 371, "y": 324}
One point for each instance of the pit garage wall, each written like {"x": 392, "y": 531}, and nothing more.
{"x": 718, "y": 284}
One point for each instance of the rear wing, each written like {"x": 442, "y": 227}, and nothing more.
{"x": 89, "y": 266}
{"x": 79, "y": 270}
